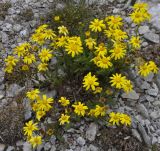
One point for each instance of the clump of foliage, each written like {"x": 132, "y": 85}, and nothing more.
{"x": 11, "y": 120}
{"x": 97, "y": 58}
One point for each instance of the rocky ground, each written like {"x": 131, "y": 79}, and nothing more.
{"x": 143, "y": 104}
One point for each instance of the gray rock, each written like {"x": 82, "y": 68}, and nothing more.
{"x": 155, "y": 13}
{"x": 158, "y": 79}
{"x": 144, "y": 44}
{"x": 156, "y": 103}
{"x": 27, "y": 115}
{"x": 145, "y": 85}
{"x": 132, "y": 95}
{"x": 4, "y": 37}
{"x": 17, "y": 27}
{"x": 47, "y": 146}
{"x": 155, "y": 114}
{"x": 149, "y": 98}
{"x": 152, "y": 37}
{"x": 142, "y": 109}
{"x": 10, "y": 148}
{"x": 2, "y": 147}
{"x": 53, "y": 148}
{"x": 153, "y": 91}
{"x": 92, "y": 148}
{"x": 145, "y": 137}
{"x": 154, "y": 140}
{"x": 7, "y": 27}
{"x": 136, "y": 135}
{"x": 91, "y": 132}
{"x": 24, "y": 33}
{"x": 14, "y": 90}
{"x": 158, "y": 140}
{"x": 27, "y": 147}
{"x": 81, "y": 141}
{"x": 149, "y": 78}
{"x": 143, "y": 29}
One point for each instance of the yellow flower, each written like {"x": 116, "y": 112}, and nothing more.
{"x": 45, "y": 55}
{"x": 117, "y": 80}
{"x": 90, "y": 43}
{"x": 101, "y": 50}
{"x": 42, "y": 67}
{"x": 25, "y": 67}
{"x": 56, "y": 18}
{"x": 114, "y": 118}
{"x": 119, "y": 35}
{"x": 63, "y": 30}
{"x": 125, "y": 119}
{"x": 104, "y": 62}
{"x": 45, "y": 103}
{"x": 153, "y": 66}
{"x": 61, "y": 41}
{"x": 127, "y": 86}
{"x": 80, "y": 108}
{"x": 135, "y": 42}
{"x": 140, "y": 16}
{"x": 99, "y": 111}
{"x": 40, "y": 114}
{"x": 64, "y": 119}
{"x": 118, "y": 52}
{"x": 38, "y": 38}
{"x": 11, "y": 61}
{"x": 29, "y": 128}
{"x": 140, "y": 6}
{"x": 33, "y": 94}
{"x": 22, "y": 49}
{"x": 50, "y": 132}
{"x": 41, "y": 28}
{"x": 97, "y": 25}
{"x": 35, "y": 141}
{"x": 49, "y": 34}
{"x": 74, "y": 46}
{"x": 98, "y": 90}
{"x": 144, "y": 70}
{"x": 109, "y": 33}
{"x": 114, "y": 22}
{"x": 35, "y": 107}
{"x": 96, "y": 59}
{"x": 29, "y": 59}
{"x": 90, "y": 81}
{"x": 8, "y": 69}
{"x": 87, "y": 33}
{"x": 64, "y": 101}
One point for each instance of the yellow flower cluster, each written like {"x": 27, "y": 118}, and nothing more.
{"x": 40, "y": 104}
{"x": 147, "y": 68}
{"x": 29, "y": 130}
{"x": 119, "y": 118}
{"x": 120, "y": 82}
{"x": 140, "y": 13}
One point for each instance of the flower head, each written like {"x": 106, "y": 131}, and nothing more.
{"x": 97, "y": 25}
{"x": 64, "y": 119}
{"x": 64, "y": 101}
{"x": 63, "y": 30}
{"x": 135, "y": 42}
{"x": 114, "y": 118}
{"x": 80, "y": 108}
{"x": 29, "y": 128}
{"x": 114, "y": 22}
{"x": 35, "y": 141}
{"x": 45, "y": 55}
{"x": 117, "y": 80}
{"x": 33, "y": 94}
{"x": 74, "y": 46}
{"x": 125, "y": 119}
{"x": 90, "y": 81}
